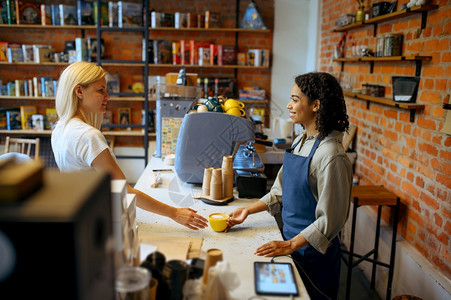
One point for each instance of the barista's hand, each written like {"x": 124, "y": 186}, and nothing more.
{"x": 237, "y": 217}
{"x": 190, "y": 218}
{"x": 275, "y": 248}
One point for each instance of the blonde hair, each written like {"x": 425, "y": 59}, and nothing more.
{"x": 66, "y": 101}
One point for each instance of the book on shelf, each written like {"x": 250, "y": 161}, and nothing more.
{"x": 46, "y": 14}
{"x": 149, "y": 50}
{"x": 15, "y": 53}
{"x": 11, "y": 12}
{"x": 3, "y": 13}
{"x": 26, "y": 111}
{"x": 19, "y": 87}
{"x": 200, "y": 21}
{"x": 28, "y": 53}
{"x": 48, "y": 87}
{"x": 91, "y": 44}
{"x": 241, "y": 59}
{"x": 81, "y": 49}
{"x": 137, "y": 85}
{"x": 150, "y": 118}
{"x": 192, "y": 20}
{"x": 257, "y": 57}
{"x": 129, "y": 14}
{"x": 185, "y": 52}
{"x": 194, "y": 54}
{"x": 41, "y": 53}
{"x": 204, "y": 56}
{"x": 68, "y": 14}
{"x": 3, "y": 51}
{"x": 252, "y": 93}
{"x": 56, "y": 20}
{"x": 3, "y": 122}
{"x": 212, "y": 19}
{"x": 107, "y": 119}
{"x": 213, "y": 54}
{"x": 162, "y": 19}
{"x": 36, "y": 87}
{"x": 104, "y": 18}
{"x": 181, "y": 20}
{"x": 13, "y": 120}
{"x": 113, "y": 17}
{"x": 124, "y": 115}
{"x": 50, "y": 118}
{"x": 29, "y": 12}
{"x": 162, "y": 51}
{"x": 85, "y": 12}
{"x": 3, "y": 90}
{"x": 37, "y": 122}
{"x": 227, "y": 55}
{"x": 112, "y": 83}
{"x": 11, "y": 88}
{"x": 176, "y": 59}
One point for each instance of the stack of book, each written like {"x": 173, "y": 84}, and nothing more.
{"x": 26, "y": 117}
{"x": 252, "y": 93}
{"x": 35, "y": 87}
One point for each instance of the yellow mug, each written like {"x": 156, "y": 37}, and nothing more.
{"x": 231, "y": 103}
{"x": 235, "y": 111}
{"x": 218, "y": 221}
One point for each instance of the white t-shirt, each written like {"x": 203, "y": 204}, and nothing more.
{"x": 76, "y": 145}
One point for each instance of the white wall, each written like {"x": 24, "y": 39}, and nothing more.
{"x": 294, "y": 48}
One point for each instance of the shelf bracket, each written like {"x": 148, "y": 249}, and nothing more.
{"x": 418, "y": 68}
{"x": 412, "y": 115}
{"x": 342, "y": 66}
{"x": 374, "y": 29}
{"x": 424, "y": 17}
{"x": 367, "y": 104}
{"x": 371, "y": 67}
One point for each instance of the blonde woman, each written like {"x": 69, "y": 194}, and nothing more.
{"x": 78, "y": 144}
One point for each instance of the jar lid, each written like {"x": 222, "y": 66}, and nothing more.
{"x": 132, "y": 279}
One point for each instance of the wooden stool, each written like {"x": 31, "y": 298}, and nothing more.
{"x": 380, "y": 196}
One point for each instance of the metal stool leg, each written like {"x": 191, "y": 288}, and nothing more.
{"x": 393, "y": 249}
{"x": 376, "y": 247}
{"x": 351, "y": 250}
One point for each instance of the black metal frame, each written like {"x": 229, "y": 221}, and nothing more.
{"x": 145, "y": 30}
{"x": 375, "y": 252}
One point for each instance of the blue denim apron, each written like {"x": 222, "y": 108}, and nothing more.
{"x": 298, "y": 212}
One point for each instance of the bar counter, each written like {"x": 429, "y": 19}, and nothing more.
{"x": 238, "y": 245}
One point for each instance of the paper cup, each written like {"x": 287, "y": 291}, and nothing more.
{"x": 213, "y": 256}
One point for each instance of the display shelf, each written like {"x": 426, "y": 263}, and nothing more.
{"x": 419, "y": 9}
{"x": 412, "y": 107}
{"x": 93, "y": 27}
{"x": 412, "y": 57}
{"x": 137, "y": 133}
{"x": 26, "y": 98}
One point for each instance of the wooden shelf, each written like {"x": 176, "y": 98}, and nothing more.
{"x": 113, "y": 98}
{"x": 412, "y": 107}
{"x": 27, "y": 98}
{"x": 93, "y": 27}
{"x": 138, "y": 133}
{"x": 423, "y": 9}
{"x": 412, "y": 57}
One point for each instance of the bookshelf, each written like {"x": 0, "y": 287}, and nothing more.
{"x": 55, "y": 35}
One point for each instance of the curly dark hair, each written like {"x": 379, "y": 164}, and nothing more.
{"x": 332, "y": 110}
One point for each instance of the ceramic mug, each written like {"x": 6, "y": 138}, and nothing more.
{"x": 239, "y": 112}
{"x": 218, "y": 221}
{"x": 212, "y": 103}
{"x": 202, "y": 108}
{"x": 231, "y": 103}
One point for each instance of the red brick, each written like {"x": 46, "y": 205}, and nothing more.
{"x": 429, "y": 201}
{"x": 409, "y": 188}
{"x": 447, "y": 227}
{"x": 443, "y": 238}
{"x": 443, "y": 179}
{"x": 428, "y": 148}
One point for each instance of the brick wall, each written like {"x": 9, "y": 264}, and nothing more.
{"x": 126, "y": 45}
{"x": 412, "y": 159}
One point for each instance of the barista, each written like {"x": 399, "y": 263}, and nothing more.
{"x": 313, "y": 188}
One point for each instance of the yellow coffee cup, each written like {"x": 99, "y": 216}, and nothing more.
{"x": 218, "y": 221}
{"x": 239, "y": 112}
{"x": 231, "y": 103}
